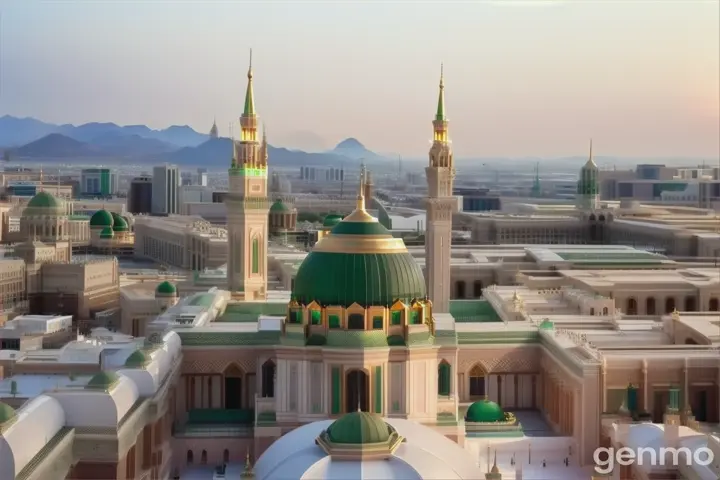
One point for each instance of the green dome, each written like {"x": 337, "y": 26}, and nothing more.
{"x": 138, "y": 359}
{"x": 279, "y": 207}
{"x": 359, "y": 261}
{"x": 7, "y": 413}
{"x": 45, "y": 200}
{"x": 106, "y": 233}
{"x": 485, "y": 411}
{"x": 119, "y": 223}
{"x": 101, "y": 219}
{"x": 331, "y": 220}
{"x": 359, "y": 428}
{"x": 166, "y": 289}
{"x": 103, "y": 381}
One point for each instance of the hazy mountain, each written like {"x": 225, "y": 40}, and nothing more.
{"x": 217, "y": 152}
{"x": 19, "y": 131}
{"x": 352, "y": 148}
{"x": 56, "y": 145}
{"x": 131, "y": 145}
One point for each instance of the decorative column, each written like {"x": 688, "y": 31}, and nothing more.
{"x": 645, "y": 386}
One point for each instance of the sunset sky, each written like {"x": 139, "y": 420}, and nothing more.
{"x": 523, "y": 78}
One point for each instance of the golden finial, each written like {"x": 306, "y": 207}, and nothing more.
{"x": 250, "y": 75}
{"x": 361, "y": 194}
{"x": 675, "y": 314}
{"x": 495, "y": 468}
{"x": 248, "y": 470}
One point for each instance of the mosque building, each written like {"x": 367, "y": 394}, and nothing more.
{"x": 365, "y": 367}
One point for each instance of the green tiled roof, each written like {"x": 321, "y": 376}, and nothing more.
{"x": 366, "y": 279}
{"x": 199, "y": 339}
{"x": 45, "y": 200}
{"x": 279, "y": 207}
{"x": 250, "y": 311}
{"x": 358, "y": 428}
{"x": 103, "y": 381}
{"x": 501, "y": 337}
{"x": 119, "y": 223}
{"x": 473, "y": 311}
{"x": 202, "y": 300}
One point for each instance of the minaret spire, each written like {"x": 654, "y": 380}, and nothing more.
{"x": 249, "y": 110}
{"x": 440, "y": 115}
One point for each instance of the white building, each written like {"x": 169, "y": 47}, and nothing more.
{"x": 166, "y": 180}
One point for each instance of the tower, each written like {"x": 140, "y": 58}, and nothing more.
{"x": 441, "y": 204}
{"x": 214, "y": 130}
{"x": 247, "y": 207}
{"x": 588, "y": 195}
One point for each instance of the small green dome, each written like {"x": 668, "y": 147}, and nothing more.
{"x": 103, "y": 381}
{"x": 485, "y": 411}
{"x": 45, "y": 200}
{"x": 119, "y": 223}
{"x": 279, "y": 207}
{"x": 107, "y": 232}
{"x": 7, "y": 413}
{"x": 331, "y": 220}
{"x": 359, "y": 428}
{"x": 101, "y": 219}
{"x": 137, "y": 359}
{"x": 166, "y": 289}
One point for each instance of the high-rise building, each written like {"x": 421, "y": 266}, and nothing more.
{"x": 441, "y": 204}
{"x": 139, "y": 199}
{"x": 98, "y": 182}
{"x": 202, "y": 177}
{"x": 248, "y": 207}
{"x": 165, "y": 183}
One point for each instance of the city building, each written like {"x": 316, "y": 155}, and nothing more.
{"x": 165, "y": 184}
{"x": 139, "y": 201}
{"x": 98, "y": 182}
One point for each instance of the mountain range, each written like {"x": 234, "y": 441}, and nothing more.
{"x": 31, "y": 139}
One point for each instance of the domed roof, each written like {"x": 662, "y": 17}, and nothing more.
{"x": 360, "y": 262}
{"x": 485, "y": 411}
{"x": 359, "y": 428}
{"x": 103, "y": 381}
{"x": 279, "y": 207}
{"x": 119, "y": 223}
{"x": 45, "y": 200}
{"x": 332, "y": 219}
{"x": 106, "y": 232}
{"x": 137, "y": 359}
{"x": 7, "y": 413}
{"x": 101, "y": 219}
{"x": 166, "y": 289}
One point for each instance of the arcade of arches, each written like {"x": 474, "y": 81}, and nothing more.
{"x": 233, "y": 389}
{"x": 659, "y": 306}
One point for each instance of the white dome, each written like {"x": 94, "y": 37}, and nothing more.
{"x": 425, "y": 454}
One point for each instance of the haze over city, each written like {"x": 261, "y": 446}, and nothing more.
{"x": 523, "y": 78}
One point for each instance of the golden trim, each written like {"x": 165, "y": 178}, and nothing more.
{"x": 361, "y": 244}
{"x": 360, "y": 216}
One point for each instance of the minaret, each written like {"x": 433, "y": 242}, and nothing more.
{"x": 440, "y": 206}
{"x": 214, "y": 130}
{"x": 588, "y": 196}
{"x": 247, "y": 207}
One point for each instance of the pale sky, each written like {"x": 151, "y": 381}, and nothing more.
{"x": 523, "y": 78}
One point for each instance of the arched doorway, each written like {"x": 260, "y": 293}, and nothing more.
{"x": 357, "y": 391}
{"x": 714, "y": 305}
{"x": 690, "y": 304}
{"x": 233, "y": 383}
{"x": 650, "y": 306}
{"x": 631, "y": 308}
{"x": 477, "y": 382}
{"x": 477, "y": 289}
{"x": 669, "y": 305}
{"x": 268, "y": 379}
{"x": 460, "y": 289}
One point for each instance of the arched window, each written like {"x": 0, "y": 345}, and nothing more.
{"x": 203, "y": 457}
{"x": 690, "y": 304}
{"x": 605, "y": 311}
{"x": 444, "y": 378}
{"x": 592, "y": 311}
{"x": 631, "y": 308}
{"x": 714, "y": 305}
{"x": 268, "y": 379}
{"x": 189, "y": 457}
{"x": 477, "y": 381}
{"x": 255, "y": 255}
{"x": 226, "y": 455}
{"x": 477, "y": 289}
{"x": 669, "y": 305}
{"x": 650, "y": 306}
{"x": 460, "y": 289}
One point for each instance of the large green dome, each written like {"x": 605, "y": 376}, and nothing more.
{"x": 279, "y": 207}
{"x": 359, "y": 428}
{"x": 331, "y": 220}
{"x": 485, "y": 411}
{"x": 359, "y": 261}
{"x": 101, "y": 219}
{"x": 45, "y": 204}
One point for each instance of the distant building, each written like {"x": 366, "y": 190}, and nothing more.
{"x": 165, "y": 183}
{"x": 98, "y": 182}
{"x": 478, "y": 200}
{"x": 140, "y": 195}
